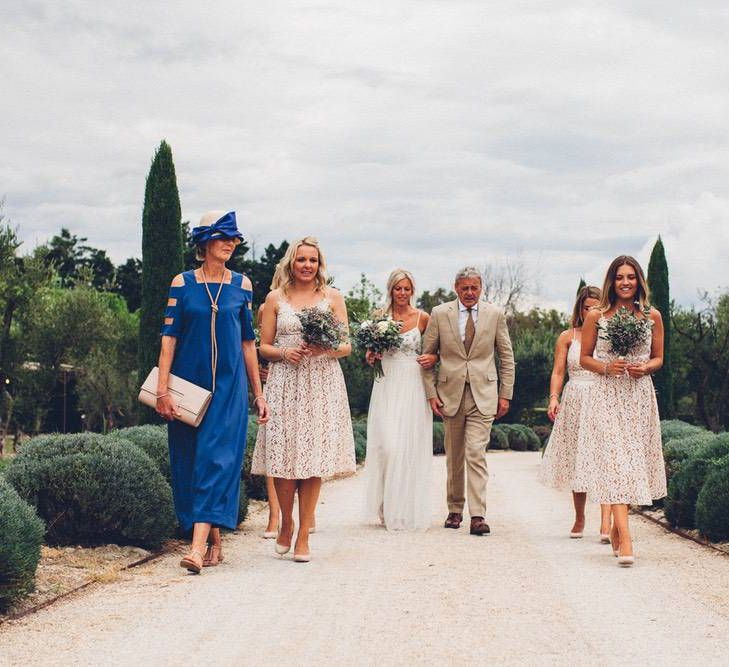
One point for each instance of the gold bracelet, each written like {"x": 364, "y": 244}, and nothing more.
{"x": 167, "y": 393}
{"x": 258, "y": 398}
{"x": 283, "y": 354}
{"x": 554, "y": 396}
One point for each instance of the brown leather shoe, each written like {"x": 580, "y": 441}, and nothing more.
{"x": 453, "y": 520}
{"x": 479, "y": 526}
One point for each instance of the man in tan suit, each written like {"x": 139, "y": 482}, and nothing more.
{"x": 467, "y": 335}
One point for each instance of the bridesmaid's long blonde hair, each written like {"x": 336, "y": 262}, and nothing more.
{"x": 285, "y": 269}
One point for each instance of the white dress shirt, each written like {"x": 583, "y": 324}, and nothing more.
{"x": 463, "y": 318}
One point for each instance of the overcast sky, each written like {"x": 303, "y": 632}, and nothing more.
{"x": 426, "y": 134}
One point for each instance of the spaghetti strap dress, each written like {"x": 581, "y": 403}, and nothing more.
{"x": 310, "y": 430}
{"x": 399, "y": 442}
{"x": 619, "y": 451}
{"x": 206, "y": 461}
{"x": 559, "y": 463}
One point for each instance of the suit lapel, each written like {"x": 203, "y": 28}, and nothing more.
{"x": 453, "y": 319}
{"x": 481, "y": 324}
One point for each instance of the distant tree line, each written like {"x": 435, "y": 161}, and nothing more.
{"x": 77, "y": 333}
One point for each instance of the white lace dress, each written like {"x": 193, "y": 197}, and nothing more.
{"x": 399, "y": 442}
{"x": 619, "y": 452}
{"x": 560, "y": 456}
{"x": 309, "y": 433}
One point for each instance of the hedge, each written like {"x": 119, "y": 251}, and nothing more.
{"x": 681, "y": 448}
{"x": 93, "y": 489}
{"x": 153, "y": 441}
{"x": 521, "y": 438}
{"x": 712, "y": 505}
{"x": 242, "y": 502}
{"x": 359, "y": 430}
{"x": 499, "y": 437}
{"x": 675, "y": 428}
{"x": 20, "y": 545}
{"x": 683, "y": 491}
{"x": 255, "y": 484}
{"x": 438, "y": 437}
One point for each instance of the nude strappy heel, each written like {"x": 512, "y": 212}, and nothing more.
{"x": 191, "y": 565}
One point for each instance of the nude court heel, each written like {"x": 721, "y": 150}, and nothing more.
{"x": 280, "y": 548}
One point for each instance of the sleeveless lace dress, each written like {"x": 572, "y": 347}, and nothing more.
{"x": 399, "y": 442}
{"x": 309, "y": 433}
{"x": 619, "y": 451}
{"x": 560, "y": 456}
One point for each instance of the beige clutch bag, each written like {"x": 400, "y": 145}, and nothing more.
{"x": 192, "y": 401}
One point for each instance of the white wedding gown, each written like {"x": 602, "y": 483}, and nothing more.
{"x": 399, "y": 442}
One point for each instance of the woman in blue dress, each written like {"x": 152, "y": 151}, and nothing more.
{"x": 208, "y": 325}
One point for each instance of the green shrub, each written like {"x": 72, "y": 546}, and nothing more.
{"x": 53, "y": 445}
{"x": 94, "y": 489}
{"x": 242, "y": 502}
{"x": 712, "y": 505}
{"x": 683, "y": 490}
{"x": 681, "y": 448}
{"x": 153, "y": 441}
{"x": 714, "y": 449}
{"x": 21, "y": 534}
{"x": 359, "y": 430}
{"x": 522, "y": 438}
{"x": 675, "y": 428}
{"x": 255, "y": 484}
{"x": 438, "y": 437}
{"x": 543, "y": 432}
{"x": 4, "y": 463}
{"x": 499, "y": 437}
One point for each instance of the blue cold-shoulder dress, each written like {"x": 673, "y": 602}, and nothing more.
{"x": 206, "y": 461}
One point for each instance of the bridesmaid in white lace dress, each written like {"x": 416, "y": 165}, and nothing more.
{"x": 558, "y": 464}
{"x": 309, "y": 435}
{"x": 400, "y": 422}
{"x": 619, "y": 451}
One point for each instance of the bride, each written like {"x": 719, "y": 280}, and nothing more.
{"x": 400, "y": 422}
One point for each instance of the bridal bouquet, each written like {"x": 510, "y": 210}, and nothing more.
{"x": 379, "y": 335}
{"x": 321, "y": 328}
{"x": 625, "y": 331}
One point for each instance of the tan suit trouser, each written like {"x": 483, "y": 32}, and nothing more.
{"x": 467, "y": 435}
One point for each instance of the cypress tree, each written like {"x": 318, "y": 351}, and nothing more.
{"x": 161, "y": 252}
{"x": 660, "y": 299}
{"x": 581, "y": 285}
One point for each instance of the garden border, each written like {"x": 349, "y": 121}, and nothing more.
{"x": 678, "y": 531}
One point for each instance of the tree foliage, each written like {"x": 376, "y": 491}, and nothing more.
{"x": 660, "y": 298}
{"x": 161, "y": 252}
{"x": 703, "y": 371}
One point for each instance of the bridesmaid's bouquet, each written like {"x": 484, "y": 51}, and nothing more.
{"x": 625, "y": 331}
{"x": 378, "y": 335}
{"x": 321, "y": 328}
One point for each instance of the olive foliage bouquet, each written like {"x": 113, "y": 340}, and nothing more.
{"x": 378, "y": 335}
{"x": 625, "y": 331}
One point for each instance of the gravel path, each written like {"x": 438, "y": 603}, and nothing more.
{"x": 527, "y": 594}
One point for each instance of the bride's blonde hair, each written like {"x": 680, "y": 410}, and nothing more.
{"x": 285, "y": 269}
{"x": 395, "y": 277}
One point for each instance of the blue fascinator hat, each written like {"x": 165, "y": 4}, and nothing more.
{"x": 216, "y": 225}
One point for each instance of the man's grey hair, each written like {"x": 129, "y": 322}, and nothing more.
{"x": 468, "y": 272}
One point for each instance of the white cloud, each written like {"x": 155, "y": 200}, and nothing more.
{"x": 427, "y": 134}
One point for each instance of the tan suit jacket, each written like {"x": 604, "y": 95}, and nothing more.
{"x": 443, "y": 337}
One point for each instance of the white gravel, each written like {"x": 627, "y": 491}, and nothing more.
{"x": 527, "y": 594}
